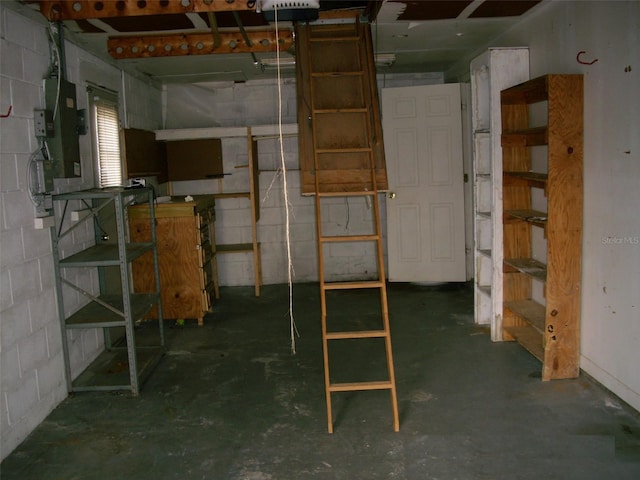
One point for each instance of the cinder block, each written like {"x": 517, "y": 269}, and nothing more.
{"x": 12, "y": 252}
{"x": 22, "y": 398}
{"x": 33, "y": 351}
{"x": 25, "y": 281}
{"x": 11, "y": 372}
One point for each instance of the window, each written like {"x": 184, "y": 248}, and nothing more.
{"x": 106, "y": 135}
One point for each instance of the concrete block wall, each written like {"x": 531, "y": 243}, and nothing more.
{"x": 31, "y": 362}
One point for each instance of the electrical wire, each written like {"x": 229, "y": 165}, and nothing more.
{"x": 293, "y": 329}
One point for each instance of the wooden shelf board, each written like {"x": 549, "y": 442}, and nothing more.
{"x": 486, "y": 289}
{"x": 531, "y": 91}
{"x": 485, "y": 251}
{"x": 529, "y": 338}
{"x": 530, "y": 311}
{"x": 525, "y": 138}
{"x": 534, "y": 217}
{"x": 234, "y": 248}
{"x": 232, "y": 195}
{"x": 529, "y": 266}
{"x": 531, "y": 179}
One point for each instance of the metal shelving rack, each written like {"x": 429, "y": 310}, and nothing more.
{"x": 107, "y": 310}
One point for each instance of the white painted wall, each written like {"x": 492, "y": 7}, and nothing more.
{"x": 31, "y": 364}
{"x": 608, "y": 31}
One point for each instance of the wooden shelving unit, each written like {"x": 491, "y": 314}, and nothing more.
{"x": 251, "y": 193}
{"x": 491, "y": 72}
{"x": 542, "y": 280}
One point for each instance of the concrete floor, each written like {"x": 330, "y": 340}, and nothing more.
{"x": 229, "y": 401}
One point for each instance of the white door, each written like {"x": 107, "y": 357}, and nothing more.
{"x": 422, "y": 128}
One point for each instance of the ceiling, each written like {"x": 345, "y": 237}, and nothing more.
{"x": 424, "y": 35}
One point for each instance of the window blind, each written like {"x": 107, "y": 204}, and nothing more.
{"x": 107, "y": 133}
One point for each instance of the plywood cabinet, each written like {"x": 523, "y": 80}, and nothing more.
{"x": 186, "y": 251}
{"x": 542, "y": 219}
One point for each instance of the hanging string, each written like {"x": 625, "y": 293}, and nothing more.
{"x": 292, "y": 322}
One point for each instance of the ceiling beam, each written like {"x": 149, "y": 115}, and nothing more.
{"x": 137, "y": 46}
{"x": 58, "y": 10}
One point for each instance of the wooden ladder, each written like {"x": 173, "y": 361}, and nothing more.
{"x": 346, "y": 140}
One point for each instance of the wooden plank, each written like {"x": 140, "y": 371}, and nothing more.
{"x": 534, "y": 217}
{"x": 531, "y": 311}
{"x": 531, "y": 91}
{"x": 180, "y": 255}
{"x": 143, "y": 155}
{"x": 235, "y": 248}
{"x": 58, "y": 10}
{"x": 176, "y": 207}
{"x": 529, "y": 266}
{"x": 531, "y": 179}
{"x": 180, "y": 44}
{"x": 525, "y": 138}
{"x": 357, "y": 334}
{"x": 529, "y": 339}
{"x": 194, "y": 159}
{"x": 564, "y": 230}
{"x": 485, "y": 289}
{"x": 360, "y": 386}
{"x": 337, "y": 132}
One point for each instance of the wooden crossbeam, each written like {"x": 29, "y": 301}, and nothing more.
{"x": 147, "y": 46}
{"x": 58, "y": 10}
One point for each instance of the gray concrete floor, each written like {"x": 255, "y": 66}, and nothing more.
{"x": 230, "y": 401}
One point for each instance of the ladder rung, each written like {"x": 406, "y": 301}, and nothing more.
{"x": 349, "y": 238}
{"x": 341, "y": 110}
{"x": 352, "y": 285}
{"x": 355, "y": 38}
{"x": 357, "y": 334}
{"x": 343, "y": 150}
{"x": 337, "y": 74}
{"x": 355, "y": 386}
{"x": 232, "y": 195}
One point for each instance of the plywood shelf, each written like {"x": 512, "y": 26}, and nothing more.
{"x": 525, "y": 138}
{"x": 529, "y": 338}
{"x": 534, "y": 217}
{"x": 528, "y": 266}
{"x": 530, "y": 179}
{"x": 530, "y": 311}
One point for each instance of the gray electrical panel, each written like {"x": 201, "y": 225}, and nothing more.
{"x": 63, "y": 145}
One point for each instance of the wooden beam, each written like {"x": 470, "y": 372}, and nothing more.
{"x": 137, "y": 46}
{"x": 58, "y": 10}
